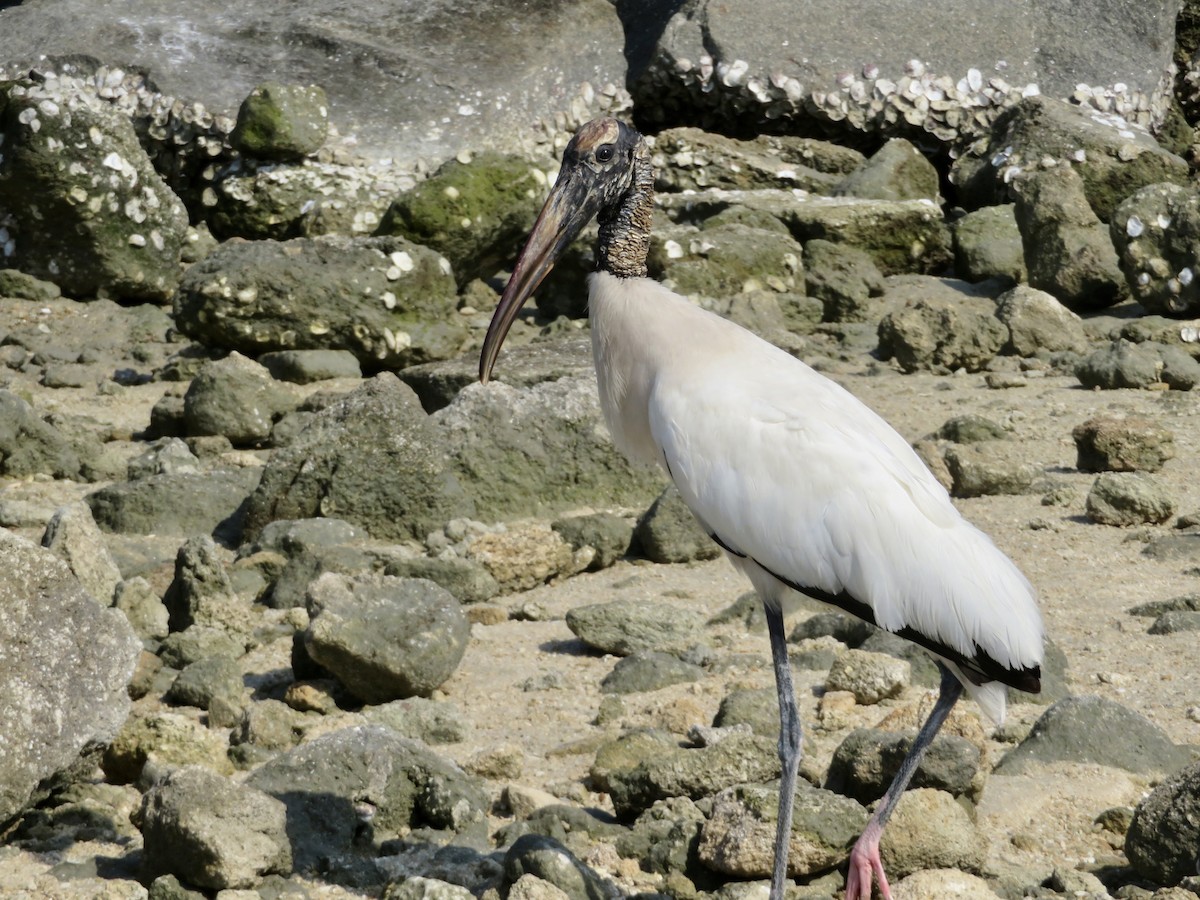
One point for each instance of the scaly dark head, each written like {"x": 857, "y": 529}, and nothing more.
{"x": 597, "y": 171}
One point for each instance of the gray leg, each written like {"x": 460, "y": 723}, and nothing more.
{"x": 789, "y": 746}
{"x": 864, "y": 858}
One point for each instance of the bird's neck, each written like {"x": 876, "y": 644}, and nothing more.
{"x": 625, "y": 228}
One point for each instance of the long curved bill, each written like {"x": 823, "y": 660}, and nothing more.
{"x": 569, "y": 207}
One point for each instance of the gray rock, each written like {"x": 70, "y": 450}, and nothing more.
{"x": 29, "y": 445}
{"x": 186, "y": 503}
{"x": 867, "y": 759}
{"x": 845, "y": 279}
{"x": 268, "y": 725}
{"x": 607, "y": 535}
{"x": 82, "y": 202}
{"x": 1094, "y": 730}
{"x": 943, "y": 324}
{"x": 520, "y": 365}
{"x": 290, "y": 589}
{"x": 739, "y": 835}
{"x": 1127, "y": 365}
{"x": 467, "y": 580}
{"x": 1036, "y": 321}
{"x": 182, "y": 648}
{"x": 930, "y": 830}
{"x": 987, "y": 244}
{"x": 1129, "y": 498}
{"x": 1165, "y": 831}
{"x": 1112, "y": 159}
{"x": 212, "y": 832}
{"x": 668, "y": 532}
{"x": 324, "y": 781}
{"x": 237, "y": 398}
{"x": 385, "y": 638}
{"x": 63, "y": 695}
{"x": 295, "y": 537}
{"x": 420, "y": 719}
{"x": 388, "y": 301}
{"x": 143, "y": 608}
{"x": 990, "y": 467}
{"x": 900, "y": 235}
{"x": 688, "y": 159}
{"x": 73, "y": 537}
{"x": 548, "y": 860}
{"x": 206, "y": 680}
{"x": 664, "y": 838}
{"x": 373, "y": 458}
{"x": 625, "y": 627}
{"x": 201, "y": 592}
{"x": 539, "y": 450}
{"x": 648, "y": 670}
{"x": 722, "y": 261}
{"x": 23, "y": 286}
{"x": 1157, "y": 233}
{"x": 971, "y": 429}
{"x": 757, "y": 709}
{"x": 923, "y": 670}
{"x": 1155, "y": 608}
{"x": 165, "y": 739}
{"x": 165, "y": 456}
{"x": 870, "y": 677}
{"x": 655, "y": 772}
{"x": 1130, "y": 444}
{"x": 307, "y": 366}
{"x": 284, "y": 122}
{"x": 897, "y": 171}
{"x": 769, "y": 64}
{"x": 1067, "y": 249}
{"x": 475, "y": 213}
{"x": 1055, "y": 682}
{"x": 1176, "y": 621}
{"x": 415, "y": 887}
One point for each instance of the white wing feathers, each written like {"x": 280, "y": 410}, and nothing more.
{"x": 791, "y": 470}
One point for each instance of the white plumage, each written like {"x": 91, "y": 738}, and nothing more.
{"x": 803, "y": 486}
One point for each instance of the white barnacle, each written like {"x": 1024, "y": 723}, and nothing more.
{"x": 451, "y": 192}
{"x": 389, "y": 339}
{"x": 444, "y": 265}
{"x": 389, "y": 300}
{"x": 27, "y": 116}
{"x": 1079, "y": 155}
{"x": 1164, "y": 221}
{"x": 113, "y": 161}
{"x": 1134, "y": 227}
{"x": 974, "y": 79}
{"x": 674, "y": 249}
{"x": 1143, "y": 278}
{"x": 392, "y": 273}
{"x": 137, "y": 240}
{"x": 1185, "y": 276}
{"x": 402, "y": 261}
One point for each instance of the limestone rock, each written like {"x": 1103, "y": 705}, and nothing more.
{"x": 282, "y": 121}
{"x": 1128, "y": 498}
{"x": 1130, "y": 444}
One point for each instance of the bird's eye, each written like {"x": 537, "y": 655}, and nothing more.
{"x": 605, "y": 153}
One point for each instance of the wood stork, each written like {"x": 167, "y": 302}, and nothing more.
{"x": 802, "y": 486}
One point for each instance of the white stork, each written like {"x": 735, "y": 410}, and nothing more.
{"x": 804, "y": 488}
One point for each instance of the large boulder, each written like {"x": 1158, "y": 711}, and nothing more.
{"x": 1157, "y": 233}
{"x": 940, "y": 323}
{"x": 946, "y": 68}
{"x": 388, "y": 301}
{"x": 374, "y": 458}
{"x": 1165, "y": 831}
{"x": 80, "y": 200}
{"x": 66, "y": 664}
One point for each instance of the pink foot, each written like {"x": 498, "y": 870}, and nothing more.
{"x": 865, "y": 863}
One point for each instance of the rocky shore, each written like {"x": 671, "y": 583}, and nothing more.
{"x": 293, "y": 607}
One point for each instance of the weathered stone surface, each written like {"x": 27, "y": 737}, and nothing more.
{"x": 867, "y": 760}
{"x": 201, "y": 592}
{"x": 237, "y": 398}
{"x": 282, "y": 121}
{"x": 205, "y": 680}
{"x": 1067, "y": 249}
{"x": 476, "y": 213}
{"x": 323, "y": 782}
{"x": 80, "y": 199}
{"x": 1037, "y": 321}
{"x": 870, "y": 677}
{"x": 29, "y": 445}
{"x": 385, "y": 638}
{"x": 990, "y": 467}
{"x": 1128, "y": 498}
{"x": 212, "y": 832}
{"x": 1165, "y": 831}
{"x": 307, "y": 366}
{"x": 738, "y": 838}
{"x": 1123, "y": 364}
{"x": 942, "y": 883}
{"x": 648, "y": 670}
{"x": 468, "y": 580}
{"x": 62, "y": 695}
{"x": 624, "y": 627}
{"x": 987, "y": 244}
{"x": 725, "y": 260}
{"x": 73, "y": 537}
{"x": 605, "y": 535}
{"x": 929, "y": 830}
{"x": 668, "y": 532}
{"x": 545, "y": 449}
{"x": 1131, "y": 444}
{"x": 1095, "y": 730}
{"x": 1111, "y": 159}
{"x": 897, "y": 171}
{"x": 1157, "y": 233}
{"x": 533, "y": 857}
{"x": 942, "y": 324}
{"x": 388, "y": 301}
{"x": 372, "y": 458}
{"x": 845, "y": 279}
{"x": 182, "y": 504}
{"x": 525, "y": 555}
{"x": 170, "y": 739}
